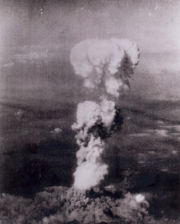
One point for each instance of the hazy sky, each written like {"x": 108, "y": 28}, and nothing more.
{"x": 154, "y": 24}
{"x": 32, "y": 30}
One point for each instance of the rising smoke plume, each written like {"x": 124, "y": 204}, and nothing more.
{"x": 106, "y": 66}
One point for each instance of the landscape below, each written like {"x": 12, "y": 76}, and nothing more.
{"x": 38, "y": 160}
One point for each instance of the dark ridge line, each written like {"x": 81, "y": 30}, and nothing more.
{"x": 149, "y": 115}
{"x": 66, "y": 105}
{"x": 32, "y": 108}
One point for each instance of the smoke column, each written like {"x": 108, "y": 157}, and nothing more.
{"x": 104, "y": 66}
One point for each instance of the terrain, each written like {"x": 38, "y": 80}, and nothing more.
{"x": 38, "y": 153}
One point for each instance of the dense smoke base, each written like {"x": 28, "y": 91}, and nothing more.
{"x": 105, "y": 65}
{"x": 97, "y": 206}
{"x": 62, "y": 205}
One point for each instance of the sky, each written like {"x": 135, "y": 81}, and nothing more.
{"x": 36, "y": 38}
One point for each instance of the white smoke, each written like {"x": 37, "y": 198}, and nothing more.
{"x": 91, "y": 170}
{"x": 105, "y": 62}
{"x": 89, "y": 112}
{"x": 106, "y": 65}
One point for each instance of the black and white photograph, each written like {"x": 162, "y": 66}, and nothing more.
{"x": 89, "y": 112}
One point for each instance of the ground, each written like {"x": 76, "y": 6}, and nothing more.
{"x": 38, "y": 152}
